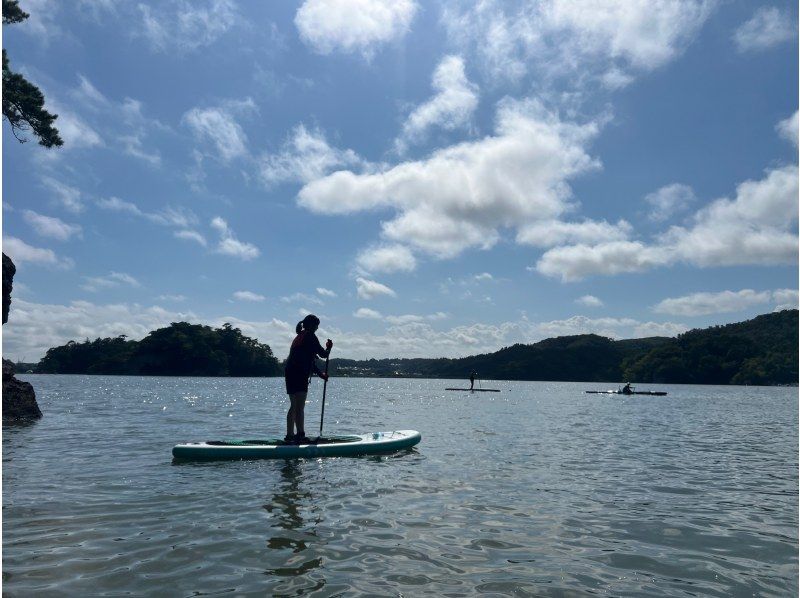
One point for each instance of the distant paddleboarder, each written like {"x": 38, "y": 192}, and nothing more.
{"x": 472, "y": 377}
{"x": 299, "y": 366}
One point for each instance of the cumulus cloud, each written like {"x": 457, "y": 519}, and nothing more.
{"x": 701, "y": 304}
{"x": 218, "y": 127}
{"x": 353, "y": 26}
{"x": 386, "y": 258}
{"x": 22, "y": 253}
{"x": 37, "y": 327}
{"x": 785, "y": 299}
{"x": 575, "y": 262}
{"x": 550, "y": 233}
{"x": 462, "y": 195}
{"x": 367, "y": 313}
{"x": 47, "y": 226}
{"x": 230, "y": 245}
{"x": 369, "y": 289}
{"x": 756, "y": 227}
{"x": 589, "y": 301}
{"x": 112, "y": 280}
{"x": 450, "y": 108}
{"x": 325, "y": 292}
{"x": 669, "y": 200}
{"x": 68, "y": 197}
{"x": 787, "y": 128}
{"x": 768, "y": 27}
{"x": 248, "y": 296}
{"x": 168, "y": 297}
{"x": 561, "y": 38}
{"x": 305, "y": 156}
{"x": 186, "y": 26}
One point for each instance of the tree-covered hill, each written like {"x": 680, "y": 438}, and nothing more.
{"x": 181, "y": 349}
{"x": 759, "y": 351}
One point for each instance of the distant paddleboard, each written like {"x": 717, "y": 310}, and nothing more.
{"x": 475, "y": 389}
{"x": 273, "y": 448}
{"x": 652, "y": 393}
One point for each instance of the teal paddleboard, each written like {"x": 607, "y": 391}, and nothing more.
{"x": 273, "y": 448}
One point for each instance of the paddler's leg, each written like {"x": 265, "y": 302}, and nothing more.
{"x": 290, "y": 419}
{"x": 299, "y": 406}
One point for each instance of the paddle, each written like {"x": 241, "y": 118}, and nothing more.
{"x": 324, "y": 389}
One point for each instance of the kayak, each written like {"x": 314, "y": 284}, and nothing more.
{"x": 475, "y": 389}
{"x": 652, "y": 393}
{"x": 274, "y": 448}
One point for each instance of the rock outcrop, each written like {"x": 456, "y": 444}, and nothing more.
{"x": 19, "y": 400}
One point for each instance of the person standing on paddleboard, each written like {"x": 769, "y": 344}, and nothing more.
{"x": 299, "y": 365}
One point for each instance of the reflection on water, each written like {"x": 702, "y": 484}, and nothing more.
{"x": 694, "y": 493}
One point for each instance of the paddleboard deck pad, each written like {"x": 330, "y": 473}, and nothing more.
{"x": 274, "y": 448}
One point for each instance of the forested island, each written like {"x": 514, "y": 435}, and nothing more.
{"x": 759, "y": 351}
{"x": 181, "y": 349}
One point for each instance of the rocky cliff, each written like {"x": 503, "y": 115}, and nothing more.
{"x": 19, "y": 400}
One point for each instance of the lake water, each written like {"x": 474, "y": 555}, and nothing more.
{"x": 539, "y": 490}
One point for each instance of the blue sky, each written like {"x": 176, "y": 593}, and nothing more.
{"x": 431, "y": 179}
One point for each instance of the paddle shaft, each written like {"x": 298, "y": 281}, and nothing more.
{"x": 324, "y": 389}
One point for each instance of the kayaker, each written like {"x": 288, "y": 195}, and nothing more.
{"x": 472, "y": 380}
{"x": 299, "y": 366}
{"x": 627, "y": 390}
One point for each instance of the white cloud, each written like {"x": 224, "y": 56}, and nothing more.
{"x": 74, "y": 131}
{"x": 386, "y": 258}
{"x": 37, "y": 327}
{"x": 167, "y": 297}
{"x": 325, "y": 292}
{"x": 575, "y": 40}
{"x": 483, "y": 276}
{"x": 787, "y": 128}
{"x": 187, "y": 26}
{"x": 68, "y": 197}
{"x": 785, "y": 299}
{"x": 550, "y": 233}
{"x": 669, "y": 200}
{"x": 369, "y": 289}
{"x": 112, "y": 280}
{"x": 115, "y": 204}
{"x": 701, "y": 304}
{"x": 305, "y": 156}
{"x": 302, "y": 297}
{"x": 230, "y": 245}
{"x": 767, "y": 28}
{"x": 20, "y": 252}
{"x": 757, "y": 227}
{"x": 574, "y": 262}
{"x": 218, "y": 127}
{"x": 88, "y": 95}
{"x": 367, "y": 313}
{"x": 461, "y": 195}
{"x": 133, "y": 145}
{"x": 451, "y": 108}
{"x": 248, "y": 296}
{"x": 353, "y": 26}
{"x": 191, "y": 235}
{"x": 404, "y": 319}
{"x": 589, "y": 301}
{"x": 48, "y": 226}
